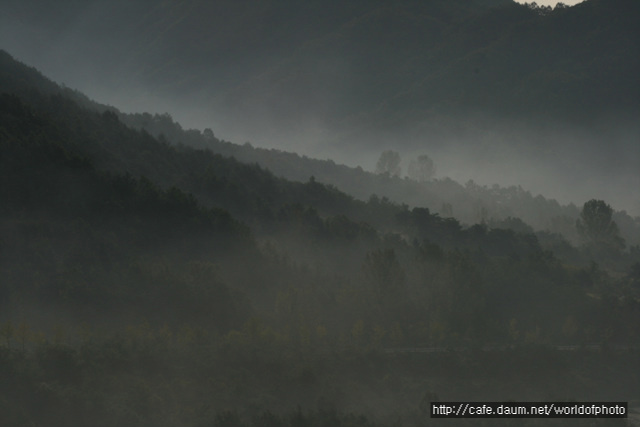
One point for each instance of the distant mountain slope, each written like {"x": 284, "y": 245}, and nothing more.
{"x": 131, "y": 293}
{"x": 470, "y": 203}
{"x": 248, "y": 190}
{"x": 497, "y": 91}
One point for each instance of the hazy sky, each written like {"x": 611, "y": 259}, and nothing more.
{"x": 551, "y": 2}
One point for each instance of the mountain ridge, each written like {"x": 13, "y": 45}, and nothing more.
{"x": 147, "y": 282}
{"x": 470, "y": 203}
{"x": 469, "y": 83}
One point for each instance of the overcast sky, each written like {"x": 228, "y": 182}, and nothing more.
{"x": 551, "y": 2}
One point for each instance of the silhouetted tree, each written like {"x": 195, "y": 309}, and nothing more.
{"x": 422, "y": 169}
{"x": 208, "y": 133}
{"x": 389, "y": 163}
{"x": 597, "y": 226}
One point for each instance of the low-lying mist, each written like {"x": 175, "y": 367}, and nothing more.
{"x": 569, "y": 162}
{"x": 145, "y": 280}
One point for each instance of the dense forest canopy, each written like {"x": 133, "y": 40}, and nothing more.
{"x": 152, "y": 274}
{"x": 141, "y": 279}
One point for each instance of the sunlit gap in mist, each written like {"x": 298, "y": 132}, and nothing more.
{"x": 551, "y": 3}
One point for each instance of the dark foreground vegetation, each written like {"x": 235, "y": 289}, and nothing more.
{"x": 148, "y": 283}
{"x": 253, "y": 376}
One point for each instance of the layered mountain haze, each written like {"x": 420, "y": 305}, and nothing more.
{"x": 495, "y": 91}
{"x": 154, "y": 273}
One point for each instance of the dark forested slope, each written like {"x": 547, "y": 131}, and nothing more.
{"x": 482, "y": 85}
{"x": 144, "y": 283}
{"x": 469, "y": 203}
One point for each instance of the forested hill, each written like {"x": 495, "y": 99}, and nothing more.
{"x": 153, "y": 284}
{"x": 469, "y": 202}
{"x": 110, "y": 146}
{"x": 481, "y": 84}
